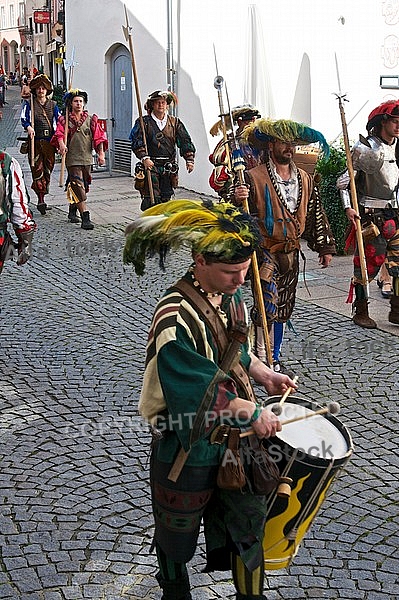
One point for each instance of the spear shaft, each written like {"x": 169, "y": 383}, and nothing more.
{"x": 349, "y": 163}
{"x": 238, "y": 167}
{"x": 128, "y": 35}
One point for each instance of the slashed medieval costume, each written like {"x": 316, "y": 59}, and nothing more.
{"x": 287, "y": 210}
{"x": 84, "y": 134}
{"x": 14, "y": 209}
{"x": 161, "y": 136}
{"x": 222, "y": 176}
{"x": 187, "y": 387}
{"x": 375, "y": 162}
{"x": 45, "y": 117}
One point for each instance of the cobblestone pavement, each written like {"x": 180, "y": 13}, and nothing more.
{"x": 75, "y": 516}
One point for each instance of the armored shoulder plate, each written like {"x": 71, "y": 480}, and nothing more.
{"x": 368, "y": 155}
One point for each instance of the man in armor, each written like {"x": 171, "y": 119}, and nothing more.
{"x": 375, "y": 162}
{"x": 156, "y": 149}
{"x": 14, "y": 209}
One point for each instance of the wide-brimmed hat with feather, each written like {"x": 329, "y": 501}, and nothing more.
{"x": 73, "y": 93}
{"x": 262, "y": 131}
{"x": 39, "y": 80}
{"x": 170, "y": 98}
{"x": 220, "y": 231}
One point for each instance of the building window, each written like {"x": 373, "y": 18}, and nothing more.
{"x": 2, "y": 17}
{"x": 12, "y": 16}
{"x": 21, "y": 13}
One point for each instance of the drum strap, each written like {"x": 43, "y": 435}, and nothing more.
{"x": 228, "y": 347}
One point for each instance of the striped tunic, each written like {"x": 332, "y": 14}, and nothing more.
{"x": 181, "y": 363}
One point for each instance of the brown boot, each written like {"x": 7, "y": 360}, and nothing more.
{"x": 361, "y": 316}
{"x": 393, "y": 316}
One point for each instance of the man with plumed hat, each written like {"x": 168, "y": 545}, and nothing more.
{"x": 191, "y": 394}
{"x": 222, "y": 176}
{"x": 45, "y": 116}
{"x": 155, "y": 148}
{"x": 84, "y": 134}
{"x": 375, "y": 162}
{"x": 286, "y": 201}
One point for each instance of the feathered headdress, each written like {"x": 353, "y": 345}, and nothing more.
{"x": 262, "y": 131}
{"x": 220, "y": 231}
{"x": 246, "y": 112}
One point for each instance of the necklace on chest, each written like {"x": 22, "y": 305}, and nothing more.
{"x": 197, "y": 285}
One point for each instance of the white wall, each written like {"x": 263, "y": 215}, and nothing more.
{"x": 315, "y": 27}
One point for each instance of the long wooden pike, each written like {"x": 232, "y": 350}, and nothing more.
{"x": 32, "y": 124}
{"x": 359, "y": 238}
{"x": 128, "y": 36}
{"x": 69, "y": 66}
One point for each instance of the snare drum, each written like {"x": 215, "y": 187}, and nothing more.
{"x": 310, "y": 452}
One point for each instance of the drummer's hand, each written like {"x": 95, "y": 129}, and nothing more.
{"x": 266, "y": 425}
{"x": 274, "y": 383}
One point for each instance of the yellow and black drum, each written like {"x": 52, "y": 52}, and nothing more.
{"x": 309, "y": 453}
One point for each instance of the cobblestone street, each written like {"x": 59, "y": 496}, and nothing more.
{"x": 75, "y": 511}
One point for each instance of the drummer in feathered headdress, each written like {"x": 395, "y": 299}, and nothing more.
{"x": 288, "y": 207}
{"x": 191, "y": 390}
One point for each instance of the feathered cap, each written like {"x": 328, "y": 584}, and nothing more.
{"x": 222, "y": 232}
{"x": 41, "y": 79}
{"x": 262, "y": 131}
{"x": 246, "y": 112}
{"x": 170, "y": 98}
{"x": 382, "y": 112}
{"x": 69, "y": 96}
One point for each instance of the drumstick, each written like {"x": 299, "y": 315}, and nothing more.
{"x": 276, "y": 408}
{"x": 332, "y": 408}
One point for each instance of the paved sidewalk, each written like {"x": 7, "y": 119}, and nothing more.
{"x": 75, "y": 514}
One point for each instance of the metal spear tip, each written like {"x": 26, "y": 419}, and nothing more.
{"x": 218, "y": 82}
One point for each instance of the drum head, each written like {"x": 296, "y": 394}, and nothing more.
{"x": 321, "y": 436}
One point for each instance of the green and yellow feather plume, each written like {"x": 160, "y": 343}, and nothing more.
{"x": 220, "y": 230}
{"x": 262, "y": 131}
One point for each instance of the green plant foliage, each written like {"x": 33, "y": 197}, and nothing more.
{"x": 330, "y": 170}
{"x": 58, "y": 94}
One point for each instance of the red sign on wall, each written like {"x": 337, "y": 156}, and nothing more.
{"x": 41, "y": 16}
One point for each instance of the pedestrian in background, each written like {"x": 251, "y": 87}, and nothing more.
{"x": 163, "y": 132}
{"x": 75, "y": 139}
{"x": 45, "y": 117}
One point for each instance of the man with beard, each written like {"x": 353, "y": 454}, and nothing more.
{"x": 286, "y": 201}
